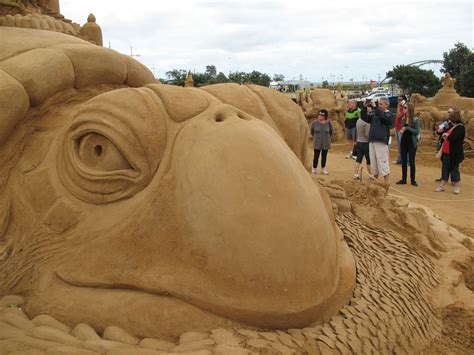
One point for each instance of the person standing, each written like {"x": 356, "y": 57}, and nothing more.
{"x": 444, "y": 127}
{"x": 409, "y": 131}
{"x": 321, "y": 130}
{"x": 353, "y": 113}
{"x": 380, "y": 122}
{"x": 362, "y": 145}
{"x": 398, "y": 125}
{"x": 452, "y": 153}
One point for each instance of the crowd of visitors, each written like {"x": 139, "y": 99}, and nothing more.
{"x": 367, "y": 130}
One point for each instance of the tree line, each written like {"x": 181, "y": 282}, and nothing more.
{"x": 211, "y": 76}
{"x": 458, "y": 62}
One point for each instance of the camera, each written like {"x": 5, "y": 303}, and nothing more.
{"x": 371, "y": 103}
{"x": 443, "y": 125}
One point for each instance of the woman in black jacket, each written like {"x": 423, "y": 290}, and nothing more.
{"x": 453, "y": 153}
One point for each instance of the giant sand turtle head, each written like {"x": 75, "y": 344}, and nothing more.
{"x": 157, "y": 208}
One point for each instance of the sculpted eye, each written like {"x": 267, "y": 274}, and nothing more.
{"x": 97, "y": 152}
{"x": 113, "y": 146}
{"x": 99, "y": 165}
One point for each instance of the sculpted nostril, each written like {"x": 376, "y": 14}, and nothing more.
{"x": 219, "y": 117}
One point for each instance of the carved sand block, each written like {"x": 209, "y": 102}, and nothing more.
{"x": 153, "y": 208}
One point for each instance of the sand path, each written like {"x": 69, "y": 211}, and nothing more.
{"x": 456, "y": 210}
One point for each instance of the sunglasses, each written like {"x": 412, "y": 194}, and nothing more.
{"x": 321, "y": 114}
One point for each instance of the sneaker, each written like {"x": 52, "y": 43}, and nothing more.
{"x": 438, "y": 180}
{"x": 456, "y": 190}
{"x": 324, "y": 172}
{"x": 356, "y": 177}
{"x": 440, "y": 188}
{"x": 354, "y": 157}
{"x": 349, "y": 156}
{"x": 314, "y": 171}
{"x": 401, "y": 182}
{"x": 414, "y": 183}
{"x": 398, "y": 162}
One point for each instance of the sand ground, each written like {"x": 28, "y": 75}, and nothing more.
{"x": 456, "y": 210}
{"x": 457, "y": 336}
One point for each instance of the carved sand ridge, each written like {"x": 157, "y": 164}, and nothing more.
{"x": 390, "y": 312}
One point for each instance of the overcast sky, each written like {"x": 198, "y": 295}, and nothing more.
{"x": 314, "y": 39}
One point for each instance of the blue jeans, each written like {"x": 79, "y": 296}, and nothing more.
{"x": 399, "y": 137}
{"x": 410, "y": 151}
{"x": 399, "y": 141}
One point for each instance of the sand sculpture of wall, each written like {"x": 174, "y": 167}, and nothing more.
{"x": 45, "y": 15}
{"x": 435, "y": 110}
{"x": 134, "y": 209}
{"x": 314, "y": 100}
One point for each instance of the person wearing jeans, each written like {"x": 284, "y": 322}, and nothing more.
{"x": 398, "y": 125}
{"x": 409, "y": 131}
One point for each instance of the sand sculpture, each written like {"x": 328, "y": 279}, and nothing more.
{"x": 207, "y": 253}
{"x": 435, "y": 110}
{"x": 132, "y": 210}
{"x": 45, "y": 15}
{"x": 312, "y": 101}
{"x": 189, "y": 83}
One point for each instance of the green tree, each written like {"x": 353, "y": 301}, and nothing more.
{"x": 211, "y": 71}
{"x": 176, "y": 77}
{"x": 221, "y": 78}
{"x": 257, "y": 78}
{"x": 238, "y": 77}
{"x": 465, "y": 80}
{"x": 325, "y": 84}
{"x": 278, "y": 77}
{"x": 413, "y": 79}
{"x": 454, "y": 59}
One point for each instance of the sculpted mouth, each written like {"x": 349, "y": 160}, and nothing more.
{"x": 121, "y": 287}
{"x": 155, "y": 291}
{"x": 234, "y": 311}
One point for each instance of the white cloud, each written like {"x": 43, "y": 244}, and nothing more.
{"x": 311, "y": 38}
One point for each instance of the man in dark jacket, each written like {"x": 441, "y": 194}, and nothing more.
{"x": 380, "y": 122}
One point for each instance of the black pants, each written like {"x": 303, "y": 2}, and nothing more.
{"x": 316, "y": 158}
{"x": 448, "y": 169}
{"x": 407, "y": 148}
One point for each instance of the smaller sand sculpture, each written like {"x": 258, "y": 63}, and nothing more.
{"x": 45, "y": 15}
{"x": 91, "y": 31}
{"x": 431, "y": 112}
{"x": 189, "y": 83}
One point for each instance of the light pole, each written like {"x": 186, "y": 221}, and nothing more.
{"x": 133, "y": 55}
